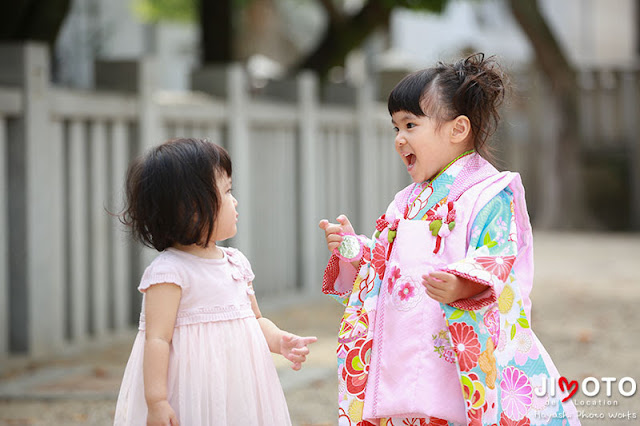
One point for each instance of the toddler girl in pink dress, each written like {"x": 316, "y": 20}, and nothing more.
{"x": 202, "y": 353}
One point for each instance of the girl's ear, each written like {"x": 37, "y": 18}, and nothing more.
{"x": 460, "y": 129}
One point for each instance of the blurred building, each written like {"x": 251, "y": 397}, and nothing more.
{"x": 593, "y": 32}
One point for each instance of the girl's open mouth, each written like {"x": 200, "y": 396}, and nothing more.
{"x": 410, "y": 159}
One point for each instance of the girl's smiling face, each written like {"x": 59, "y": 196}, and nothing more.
{"x": 227, "y": 218}
{"x": 424, "y": 147}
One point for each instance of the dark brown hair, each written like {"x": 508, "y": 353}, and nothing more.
{"x": 474, "y": 87}
{"x": 172, "y": 195}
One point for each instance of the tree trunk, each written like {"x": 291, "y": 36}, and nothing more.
{"x": 216, "y": 31}
{"x": 569, "y": 211}
{"x": 343, "y": 35}
{"x": 38, "y": 20}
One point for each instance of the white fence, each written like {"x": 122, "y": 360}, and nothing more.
{"x": 68, "y": 271}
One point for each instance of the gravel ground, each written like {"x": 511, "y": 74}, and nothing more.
{"x": 585, "y": 301}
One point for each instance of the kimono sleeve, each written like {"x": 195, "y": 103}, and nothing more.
{"x": 491, "y": 252}
{"x": 339, "y": 276}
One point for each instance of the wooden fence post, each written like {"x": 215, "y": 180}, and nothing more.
{"x": 4, "y": 241}
{"x": 239, "y": 150}
{"x": 36, "y": 287}
{"x": 630, "y": 92}
{"x": 310, "y": 234}
{"x": 148, "y": 128}
{"x": 369, "y": 200}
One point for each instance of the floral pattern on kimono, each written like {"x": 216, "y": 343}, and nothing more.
{"x": 496, "y": 354}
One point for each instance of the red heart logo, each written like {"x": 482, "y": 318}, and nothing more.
{"x": 571, "y": 387}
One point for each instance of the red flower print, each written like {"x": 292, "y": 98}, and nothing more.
{"x": 506, "y": 421}
{"x": 434, "y": 421}
{"x": 406, "y": 291}
{"x": 414, "y": 422}
{"x": 356, "y": 367}
{"x": 466, "y": 345}
{"x": 475, "y": 417}
{"x": 366, "y": 254}
{"x": 393, "y": 277}
{"x": 499, "y": 266}
{"x": 379, "y": 259}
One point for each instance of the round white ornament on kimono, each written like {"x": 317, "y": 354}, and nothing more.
{"x": 349, "y": 249}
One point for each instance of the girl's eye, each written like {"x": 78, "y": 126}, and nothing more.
{"x": 395, "y": 129}
{"x": 410, "y": 125}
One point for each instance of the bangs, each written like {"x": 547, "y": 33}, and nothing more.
{"x": 222, "y": 161}
{"x": 409, "y": 93}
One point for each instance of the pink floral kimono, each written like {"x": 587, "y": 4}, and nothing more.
{"x": 404, "y": 359}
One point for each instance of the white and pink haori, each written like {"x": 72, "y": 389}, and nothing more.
{"x": 405, "y": 359}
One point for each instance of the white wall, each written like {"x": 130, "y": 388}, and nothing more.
{"x": 109, "y": 29}
{"x": 593, "y": 32}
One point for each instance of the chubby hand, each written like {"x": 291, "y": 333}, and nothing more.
{"x": 446, "y": 288}
{"x": 332, "y": 231}
{"x": 160, "y": 413}
{"x": 295, "y": 348}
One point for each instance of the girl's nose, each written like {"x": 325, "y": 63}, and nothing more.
{"x": 235, "y": 202}
{"x": 400, "y": 140}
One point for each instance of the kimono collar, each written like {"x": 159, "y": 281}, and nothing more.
{"x": 425, "y": 195}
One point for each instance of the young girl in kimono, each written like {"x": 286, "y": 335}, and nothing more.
{"x": 202, "y": 355}
{"x": 436, "y": 328}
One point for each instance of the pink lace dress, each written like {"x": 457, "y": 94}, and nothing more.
{"x": 220, "y": 368}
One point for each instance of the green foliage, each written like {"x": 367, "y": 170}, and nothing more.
{"x": 436, "y": 6}
{"x": 187, "y": 10}
{"x": 166, "y": 10}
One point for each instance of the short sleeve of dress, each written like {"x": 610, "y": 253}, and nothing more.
{"x": 161, "y": 270}
{"x": 242, "y": 267}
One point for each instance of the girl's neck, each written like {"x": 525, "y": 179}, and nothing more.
{"x": 211, "y": 251}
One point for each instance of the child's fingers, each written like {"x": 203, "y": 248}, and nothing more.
{"x": 323, "y": 224}
{"x": 309, "y": 340}
{"x": 293, "y": 357}
{"x": 333, "y": 228}
{"x": 303, "y": 351}
{"x": 296, "y": 366}
{"x": 442, "y": 276}
{"x": 434, "y": 282}
{"x": 435, "y": 295}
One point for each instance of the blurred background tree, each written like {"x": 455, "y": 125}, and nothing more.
{"x": 38, "y": 20}
{"x": 347, "y": 27}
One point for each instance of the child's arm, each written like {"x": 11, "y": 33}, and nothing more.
{"x": 446, "y": 288}
{"x": 161, "y": 308}
{"x": 491, "y": 253}
{"x": 292, "y": 347}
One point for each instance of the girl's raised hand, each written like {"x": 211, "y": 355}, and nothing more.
{"x": 332, "y": 231}
{"x": 295, "y": 348}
